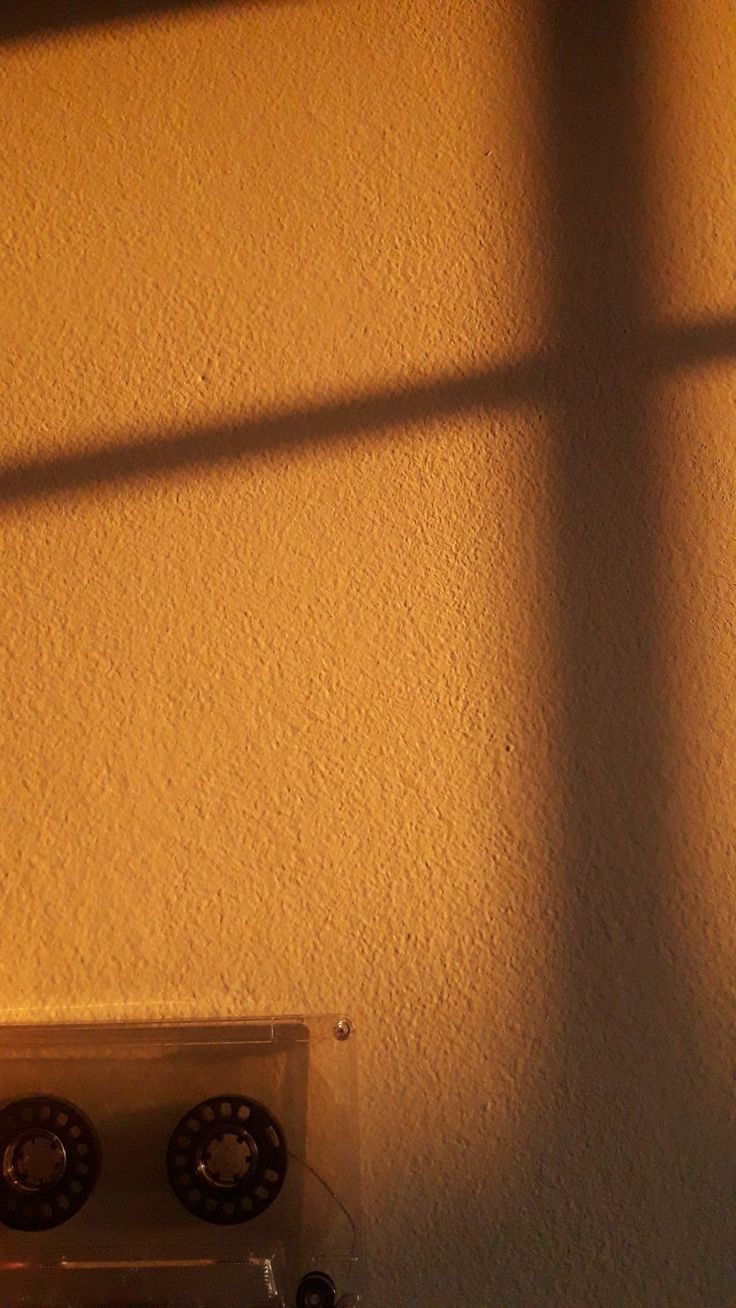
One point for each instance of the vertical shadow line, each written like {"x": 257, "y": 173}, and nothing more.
{"x": 630, "y": 1163}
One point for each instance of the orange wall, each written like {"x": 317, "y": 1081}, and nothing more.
{"x": 382, "y": 660}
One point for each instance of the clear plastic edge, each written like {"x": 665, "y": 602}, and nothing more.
{"x": 129, "y": 1020}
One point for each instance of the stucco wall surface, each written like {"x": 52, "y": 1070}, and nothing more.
{"x": 367, "y": 590}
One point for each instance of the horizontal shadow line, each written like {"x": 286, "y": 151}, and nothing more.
{"x": 239, "y": 439}
{"x": 683, "y": 345}
{"x": 20, "y": 20}
{"x": 526, "y": 381}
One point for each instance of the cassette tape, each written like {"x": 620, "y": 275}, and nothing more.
{"x": 202, "y": 1165}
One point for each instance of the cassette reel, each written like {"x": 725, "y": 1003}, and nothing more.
{"x": 208, "y": 1164}
{"x": 50, "y": 1162}
{"x": 227, "y": 1159}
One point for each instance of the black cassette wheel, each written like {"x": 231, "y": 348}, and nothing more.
{"x": 227, "y": 1159}
{"x": 316, "y": 1290}
{"x": 49, "y": 1160}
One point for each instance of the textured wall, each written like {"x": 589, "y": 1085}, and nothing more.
{"x": 367, "y": 591}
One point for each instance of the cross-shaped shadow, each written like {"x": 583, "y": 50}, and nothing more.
{"x": 633, "y": 1153}
{"x": 630, "y": 1196}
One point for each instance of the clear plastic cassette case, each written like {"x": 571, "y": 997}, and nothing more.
{"x": 192, "y": 1164}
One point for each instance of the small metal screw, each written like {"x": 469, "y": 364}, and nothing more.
{"x": 343, "y": 1028}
